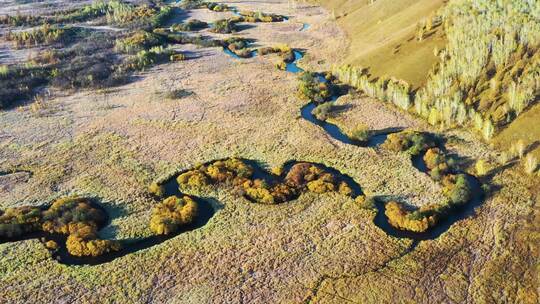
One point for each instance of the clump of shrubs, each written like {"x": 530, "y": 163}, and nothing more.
{"x": 213, "y": 6}
{"x": 224, "y": 26}
{"x": 315, "y": 179}
{"x": 458, "y": 191}
{"x": 262, "y": 192}
{"x": 147, "y": 58}
{"x": 412, "y": 142}
{"x": 84, "y": 242}
{"x": 15, "y": 222}
{"x": 197, "y": 40}
{"x": 90, "y": 63}
{"x": 456, "y": 187}
{"x": 143, "y": 16}
{"x": 314, "y": 88}
{"x": 238, "y": 46}
{"x": 323, "y": 111}
{"x": 173, "y": 213}
{"x": 191, "y": 25}
{"x": 302, "y": 177}
{"x": 44, "y": 35}
{"x": 403, "y": 219}
{"x": 250, "y": 16}
{"x": 286, "y": 52}
{"x": 437, "y": 163}
{"x": 65, "y": 216}
{"x": 216, "y": 7}
{"x": 19, "y": 20}
{"x": 360, "y": 133}
{"x": 138, "y": 41}
{"x": 231, "y": 170}
{"x": 74, "y": 217}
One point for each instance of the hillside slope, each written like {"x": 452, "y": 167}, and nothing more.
{"x": 383, "y": 35}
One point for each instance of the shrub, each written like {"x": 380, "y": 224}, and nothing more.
{"x": 437, "y": 163}
{"x": 482, "y": 167}
{"x": 51, "y": 245}
{"x": 86, "y": 72}
{"x": 345, "y": 189}
{"x": 224, "y": 26}
{"x": 286, "y": 52}
{"x": 15, "y": 222}
{"x": 74, "y": 217}
{"x": 192, "y": 4}
{"x": 360, "y": 133}
{"x": 314, "y": 178}
{"x": 320, "y": 186}
{"x": 238, "y": 46}
{"x": 258, "y": 191}
{"x": 140, "y": 40}
{"x": 87, "y": 12}
{"x": 229, "y": 170}
{"x": 366, "y": 202}
{"x": 313, "y": 88}
{"x": 174, "y": 58}
{"x": 232, "y": 170}
{"x": 300, "y": 174}
{"x": 216, "y": 7}
{"x": 281, "y": 65}
{"x": 408, "y": 141}
{"x": 405, "y": 220}
{"x": 66, "y": 215}
{"x": 126, "y": 14}
{"x": 457, "y": 188}
{"x": 250, "y": 16}
{"x": 193, "y": 178}
{"x": 191, "y": 25}
{"x": 323, "y": 111}
{"x": 20, "y": 20}
{"x": 147, "y": 58}
{"x": 261, "y": 192}
{"x": 44, "y": 35}
{"x": 172, "y": 213}
{"x": 197, "y": 40}
{"x": 156, "y": 189}
{"x": 90, "y": 245}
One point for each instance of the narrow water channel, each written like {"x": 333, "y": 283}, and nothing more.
{"x": 417, "y": 161}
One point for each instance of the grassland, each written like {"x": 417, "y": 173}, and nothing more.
{"x": 521, "y": 129}
{"x": 382, "y": 36}
{"x": 111, "y": 144}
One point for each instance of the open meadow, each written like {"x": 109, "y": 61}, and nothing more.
{"x": 219, "y": 152}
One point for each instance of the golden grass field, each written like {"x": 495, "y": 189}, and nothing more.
{"x": 382, "y": 36}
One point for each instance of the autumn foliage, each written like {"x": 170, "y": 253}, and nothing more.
{"x": 270, "y": 189}
{"x": 456, "y": 187}
{"x": 74, "y": 217}
{"x": 172, "y": 213}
